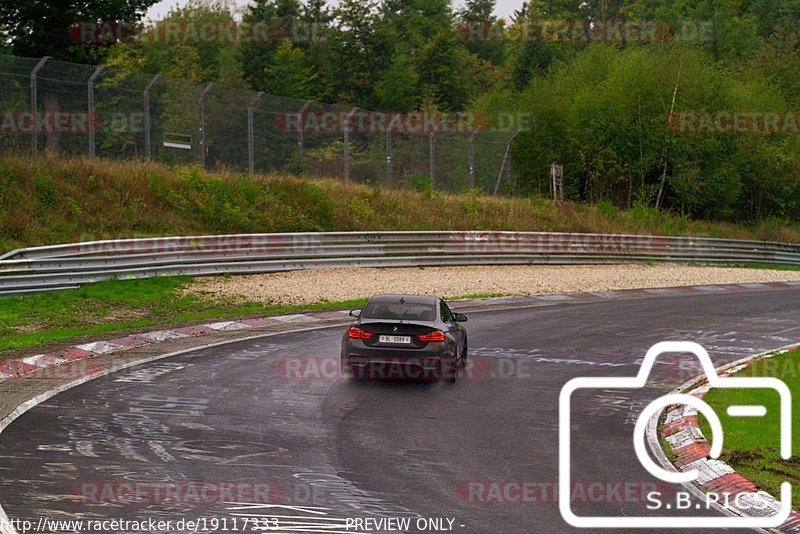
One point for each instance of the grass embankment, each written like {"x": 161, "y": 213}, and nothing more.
{"x": 751, "y": 444}
{"x": 49, "y": 201}
{"x": 121, "y": 306}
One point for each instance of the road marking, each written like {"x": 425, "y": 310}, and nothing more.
{"x": 299, "y": 318}
{"x": 709, "y": 289}
{"x": 785, "y": 330}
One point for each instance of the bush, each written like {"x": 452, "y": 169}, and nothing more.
{"x": 605, "y": 116}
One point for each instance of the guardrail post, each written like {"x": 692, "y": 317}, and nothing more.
{"x": 251, "y": 161}
{"x": 346, "y": 134}
{"x": 148, "y": 149}
{"x": 35, "y": 105}
{"x": 91, "y": 119}
{"x": 472, "y": 160}
{"x": 202, "y": 104}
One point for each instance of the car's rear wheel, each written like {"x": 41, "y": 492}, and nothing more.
{"x": 451, "y": 373}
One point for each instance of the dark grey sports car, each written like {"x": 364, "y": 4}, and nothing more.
{"x": 405, "y": 337}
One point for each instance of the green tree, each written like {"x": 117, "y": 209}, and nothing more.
{"x": 317, "y": 11}
{"x": 397, "y": 89}
{"x": 212, "y": 53}
{"x": 443, "y": 69}
{"x": 605, "y": 115}
{"x": 479, "y": 15}
{"x": 189, "y": 55}
{"x": 279, "y": 16}
{"x": 416, "y": 22}
{"x": 287, "y": 75}
{"x": 41, "y": 28}
{"x": 361, "y": 48}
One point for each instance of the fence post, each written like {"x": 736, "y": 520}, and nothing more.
{"x": 251, "y": 160}
{"x": 34, "y": 105}
{"x": 148, "y": 148}
{"x": 346, "y": 134}
{"x": 557, "y": 182}
{"x": 472, "y": 160}
{"x": 506, "y": 162}
{"x": 202, "y": 103}
{"x": 91, "y": 119}
{"x": 432, "y": 157}
{"x": 389, "y": 177}
{"x": 300, "y": 133}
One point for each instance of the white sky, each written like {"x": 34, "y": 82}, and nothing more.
{"x": 505, "y": 8}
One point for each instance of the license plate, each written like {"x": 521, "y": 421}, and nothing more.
{"x": 395, "y": 339}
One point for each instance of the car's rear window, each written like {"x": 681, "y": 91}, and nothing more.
{"x": 395, "y": 310}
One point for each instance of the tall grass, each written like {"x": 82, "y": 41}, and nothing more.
{"x": 48, "y": 201}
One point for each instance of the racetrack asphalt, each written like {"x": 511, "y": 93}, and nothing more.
{"x": 272, "y": 414}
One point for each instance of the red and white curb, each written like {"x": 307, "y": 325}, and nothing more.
{"x": 22, "y": 366}
{"x": 9, "y": 527}
{"x": 691, "y": 451}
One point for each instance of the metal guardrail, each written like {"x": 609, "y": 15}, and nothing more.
{"x": 66, "y": 266}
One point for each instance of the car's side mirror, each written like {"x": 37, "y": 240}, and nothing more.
{"x": 355, "y": 313}
{"x": 460, "y": 318}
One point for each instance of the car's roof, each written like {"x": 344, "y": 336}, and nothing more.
{"x": 411, "y": 299}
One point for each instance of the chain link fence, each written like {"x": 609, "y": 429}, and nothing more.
{"x": 96, "y": 111}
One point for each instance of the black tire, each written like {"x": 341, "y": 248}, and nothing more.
{"x": 464, "y": 353}
{"x": 452, "y": 373}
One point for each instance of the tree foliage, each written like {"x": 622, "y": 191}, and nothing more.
{"x": 38, "y": 28}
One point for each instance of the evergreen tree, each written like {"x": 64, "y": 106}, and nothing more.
{"x": 478, "y": 10}
{"x": 36, "y": 28}
{"x": 443, "y": 73}
{"x": 397, "y": 89}
{"x": 279, "y": 16}
{"x": 483, "y": 31}
{"x": 317, "y": 11}
{"x": 287, "y": 75}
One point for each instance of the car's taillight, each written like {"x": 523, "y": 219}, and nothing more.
{"x": 436, "y": 335}
{"x": 356, "y": 333}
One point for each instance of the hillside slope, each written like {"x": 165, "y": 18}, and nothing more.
{"x": 49, "y": 201}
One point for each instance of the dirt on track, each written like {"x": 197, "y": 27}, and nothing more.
{"x": 312, "y": 286}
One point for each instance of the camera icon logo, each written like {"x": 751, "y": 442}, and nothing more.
{"x": 644, "y": 419}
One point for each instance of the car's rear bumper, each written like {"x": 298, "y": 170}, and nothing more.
{"x": 394, "y": 368}
{"x": 396, "y": 362}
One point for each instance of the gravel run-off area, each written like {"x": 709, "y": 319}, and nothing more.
{"x": 332, "y": 285}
